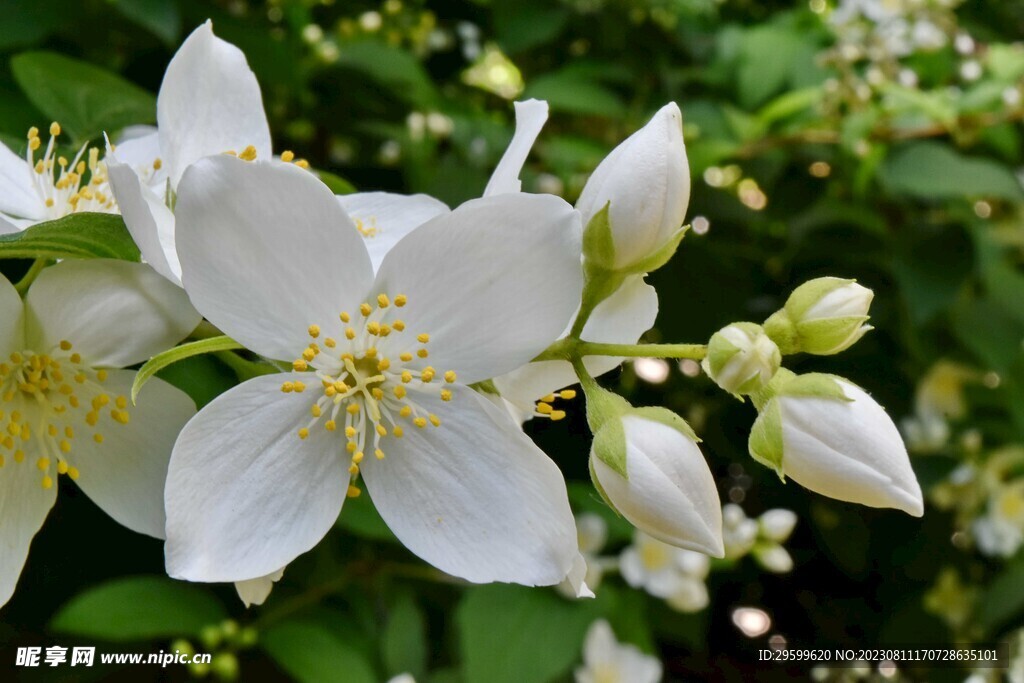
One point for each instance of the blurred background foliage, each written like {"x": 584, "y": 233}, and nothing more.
{"x": 875, "y": 139}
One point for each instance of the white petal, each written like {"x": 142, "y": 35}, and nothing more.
{"x": 777, "y": 524}
{"x": 148, "y": 219}
{"x": 245, "y": 496}
{"x": 18, "y": 196}
{"x": 620, "y": 319}
{"x": 494, "y": 282}
{"x": 125, "y": 474}
{"x": 774, "y": 558}
{"x": 115, "y": 313}
{"x": 475, "y": 497}
{"x": 692, "y": 596}
{"x": 575, "y": 582}
{"x": 670, "y": 493}
{"x": 256, "y": 591}
{"x": 8, "y": 228}
{"x": 209, "y": 103}
{"x": 385, "y": 218}
{"x": 12, "y": 330}
{"x": 24, "y": 504}
{"x": 141, "y": 152}
{"x": 266, "y": 251}
{"x": 600, "y": 643}
{"x": 848, "y": 451}
{"x": 530, "y": 118}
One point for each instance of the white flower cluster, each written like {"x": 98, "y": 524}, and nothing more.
{"x": 404, "y": 334}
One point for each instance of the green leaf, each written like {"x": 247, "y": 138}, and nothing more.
{"x": 336, "y": 183}
{"x": 311, "y": 653}
{"x": 161, "y": 17}
{"x": 139, "y": 608}
{"x": 77, "y": 235}
{"x": 394, "y": 68}
{"x": 85, "y": 99}
{"x": 931, "y": 170}
{"x": 522, "y": 24}
{"x": 767, "y": 55}
{"x": 1003, "y": 599}
{"x": 510, "y": 634}
{"x": 575, "y": 92}
{"x": 162, "y": 360}
{"x": 404, "y": 644}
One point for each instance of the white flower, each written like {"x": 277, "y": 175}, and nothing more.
{"x": 1000, "y": 531}
{"x": 606, "y": 660}
{"x": 832, "y": 437}
{"x": 648, "y": 466}
{"x": 40, "y": 188}
{"x": 739, "y": 532}
{"x": 209, "y": 103}
{"x": 259, "y": 476}
{"x": 673, "y": 574}
{"x": 773, "y": 557}
{"x": 647, "y": 181}
{"x": 823, "y": 316}
{"x": 741, "y": 358}
{"x": 777, "y": 524}
{"x": 63, "y": 398}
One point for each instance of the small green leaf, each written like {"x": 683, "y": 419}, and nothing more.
{"x": 161, "y": 17}
{"x": 598, "y": 241}
{"x": 78, "y": 235}
{"x": 139, "y": 608}
{"x": 1003, "y": 599}
{"x": 931, "y": 170}
{"x": 311, "y": 653}
{"x": 162, "y": 360}
{"x": 85, "y": 99}
{"x": 765, "y": 443}
{"x": 610, "y": 446}
{"x": 404, "y": 644}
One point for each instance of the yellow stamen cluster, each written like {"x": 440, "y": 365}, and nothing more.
{"x": 367, "y": 387}
{"x": 545, "y": 409}
{"x": 68, "y": 186}
{"x": 366, "y": 228}
{"x": 45, "y": 400}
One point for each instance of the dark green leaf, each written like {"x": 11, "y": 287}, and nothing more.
{"x": 77, "y": 235}
{"x": 404, "y": 645}
{"x": 139, "y": 608}
{"x": 159, "y": 16}
{"x": 1003, "y": 599}
{"x": 313, "y": 654}
{"x": 931, "y": 170}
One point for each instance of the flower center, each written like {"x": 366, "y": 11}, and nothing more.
{"x": 45, "y": 399}
{"x": 654, "y": 556}
{"x": 368, "y": 384}
{"x": 66, "y": 187}
{"x": 544, "y": 407}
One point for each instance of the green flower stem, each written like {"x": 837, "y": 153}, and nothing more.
{"x": 568, "y": 349}
{"x": 30, "y": 276}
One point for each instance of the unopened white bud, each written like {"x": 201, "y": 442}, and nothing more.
{"x": 777, "y": 524}
{"x": 824, "y": 316}
{"x": 774, "y": 558}
{"x": 741, "y": 358}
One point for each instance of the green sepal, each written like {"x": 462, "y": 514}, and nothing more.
{"x": 603, "y": 406}
{"x": 668, "y": 418}
{"x": 828, "y": 336}
{"x": 780, "y": 329}
{"x": 765, "y": 444}
{"x": 610, "y": 446}
{"x": 598, "y": 242}
{"x": 720, "y": 352}
{"x": 162, "y": 360}
{"x": 660, "y": 257}
{"x": 815, "y": 385}
{"x": 485, "y": 386}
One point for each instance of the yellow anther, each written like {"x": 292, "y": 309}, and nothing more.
{"x": 303, "y": 433}
{"x": 33, "y": 132}
{"x": 406, "y": 377}
{"x": 314, "y": 347}
{"x": 19, "y": 456}
{"x": 287, "y": 387}
{"x": 427, "y": 375}
{"x": 330, "y": 391}
{"x": 47, "y": 480}
{"x": 423, "y": 338}
{"x": 398, "y": 432}
{"x": 340, "y": 386}
{"x": 422, "y": 353}
{"x": 62, "y": 161}
{"x": 373, "y": 328}
{"x": 406, "y": 411}
{"x": 287, "y": 156}
{"x": 446, "y": 395}
{"x": 379, "y": 454}
{"x": 92, "y": 417}
{"x": 34, "y": 143}
{"x": 378, "y": 393}
{"x": 302, "y": 163}
{"x": 381, "y": 431}
{"x": 420, "y": 422}
{"x": 299, "y": 387}
{"x": 62, "y": 467}
{"x": 371, "y": 352}
{"x": 101, "y": 375}
{"x": 76, "y": 359}
{"x": 353, "y": 469}
{"x": 567, "y": 393}
{"x": 435, "y": 420}
{"x": 157, "y": 164}
{"x": 65, "y": 345}
{"x": 43, "y": 464}
{"x": 299, "y": 365}
{"x": 309, "y": 354}
{"x": 399, "y": 325}
{"x": 399, "y": 391}
{"x": 353, "y": 491}
{"x": 384, "y": 364}
{"x": 352, "y": 408}
{"x": 365, "y": 309}
{"x": 345, "y": 317}
{"x": 350, "y": 333}
{"x": 544, "y": 408}
{"x": 450, "y": 376}
{"x": 330, "y": 343}
{"x": 314, "y": 331}
{"x": 73, "y": 473}
{"x": 382, "y": 300}
{"x": 351, "y": 446}
{"x": 69, "y": 432}
{"x": 98, "y": 438}
{"x": 51, "y": 430}
{"x": 357, "y": 457}
{"x": 316, "y": 411}
{"x": 406, "y": 357}
{"x": 385, "y": 330}
{"x": 557, "y": 415}
{"x": 248, "y": 154}
{"x": 548, "y": 399}
{"x": 121, "y": 402}
{"x": 350, "y": 432}
{"x": 54, "y": 128}
{"x": 330, "y": 425}
{"x": 65, "y": 447}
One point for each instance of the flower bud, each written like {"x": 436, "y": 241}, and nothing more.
{"x": 833, "y": 438}
{"x": 741, "y": 358}
{"x": 646, "y": 464}
{"x": 645, "y": 183}
{"x": 824, "y": 316}
{"x": 777, "y": 524}
{"x": 773, "y": 557}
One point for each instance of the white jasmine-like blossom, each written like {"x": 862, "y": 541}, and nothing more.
{"x": 1000, "y": 531}
{"x": 652, "y": 471}
{"x": 646, "y": 179}
{"x": 380, "y": 382}
{"x": 209, "y": 103}
{"x": 606, "y": 660}
{"x": 833, "y": 438}
{"x": 63, "y": 397}
{"x": 741, "y": 358}
{"x": 44, "y": 185}
{"x": 673, "y": 574}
